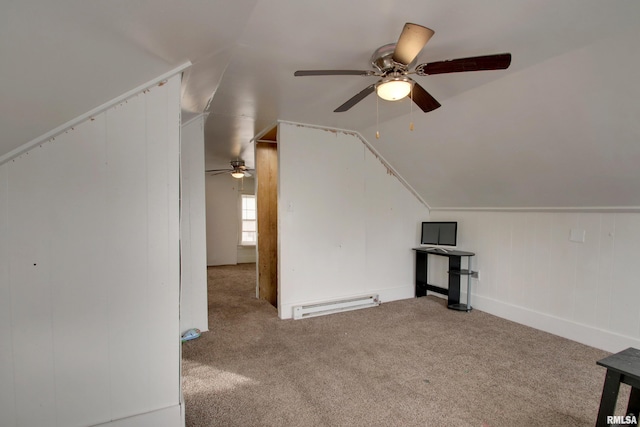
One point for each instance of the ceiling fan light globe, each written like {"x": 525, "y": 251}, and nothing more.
{"x": 237, "y": 174}
{"x": 393, "y": 90}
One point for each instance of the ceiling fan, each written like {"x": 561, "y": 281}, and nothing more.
{"x": 393, "y": 61}
{"x": 237, "y": 170}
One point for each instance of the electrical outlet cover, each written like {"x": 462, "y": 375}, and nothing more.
{"x": 577, "y": 235}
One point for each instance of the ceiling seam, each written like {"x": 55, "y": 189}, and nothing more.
{"x": 88, "y": 115}
{"x": 595, "y": 209}
{"x": 375, "y": 152}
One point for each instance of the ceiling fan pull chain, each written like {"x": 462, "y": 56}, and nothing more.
{"x": 377, "y": 119}
{"x": 411, "y": 110}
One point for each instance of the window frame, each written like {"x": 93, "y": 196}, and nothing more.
{"x": 241, "y": 220}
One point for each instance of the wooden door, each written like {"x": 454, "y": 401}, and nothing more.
{"x": 267, "y": 204}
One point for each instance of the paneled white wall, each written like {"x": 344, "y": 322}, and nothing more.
{"x": 346, "y": 224}
{"x": 193, "y": 233}
{"x": 89, "y": 269}
{"x": 8, "y": 413}
{"x": 530, "y": 271}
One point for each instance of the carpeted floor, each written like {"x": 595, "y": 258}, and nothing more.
{"x": 405, "y": 363}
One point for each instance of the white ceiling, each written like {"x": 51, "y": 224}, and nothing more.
{"x": 559, "y": 128}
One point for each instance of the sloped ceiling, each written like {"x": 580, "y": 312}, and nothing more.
{"x": 559, "y": 128}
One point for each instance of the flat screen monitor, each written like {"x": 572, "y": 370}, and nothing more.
{"x": 439, "y": 233}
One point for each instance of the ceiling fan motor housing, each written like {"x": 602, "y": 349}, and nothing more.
{"x": 382, "y": 59}
{"x": 238, "y": 164}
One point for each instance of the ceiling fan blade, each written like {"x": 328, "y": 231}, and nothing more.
{"x": 357, "y": 98}
{"x": 412, "y": 39}
{"x": 218, "y": 171}
{"x": 423, "y": 99}
{"x": 500, "y": 61}
{"x": 333, "y": 73}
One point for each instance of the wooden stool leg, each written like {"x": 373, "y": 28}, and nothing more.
{"x": 609, "y": 397}
{"x": 634, "y": 402}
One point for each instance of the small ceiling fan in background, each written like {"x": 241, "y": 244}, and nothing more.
{"x": 238, "y": 170}
{"x": 393, "y": 62}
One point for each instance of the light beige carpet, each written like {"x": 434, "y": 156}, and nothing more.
{"x": 405, "y": 363}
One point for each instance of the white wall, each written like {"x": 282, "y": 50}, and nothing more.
{"x": 223, "y": 219}
{"x": 346, "y": 223}
{"x": 89, "y": 269}
{"x": 530, "y": 271}
{"x": 193, "y": 234}
{"x": 246, "y": 254}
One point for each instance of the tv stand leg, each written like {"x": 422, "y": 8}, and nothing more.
{"x": 454, "y": 281}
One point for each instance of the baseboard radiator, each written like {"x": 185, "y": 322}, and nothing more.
{"x": 329, "y": 307}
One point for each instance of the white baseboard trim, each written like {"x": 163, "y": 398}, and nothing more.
{"x": 171, "y": 416}
{"x": 585, "y": 334}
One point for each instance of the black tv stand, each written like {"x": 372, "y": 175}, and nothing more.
{"x": 455, "y": 272}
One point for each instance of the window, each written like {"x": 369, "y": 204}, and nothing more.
{"x": 248, "y": 219}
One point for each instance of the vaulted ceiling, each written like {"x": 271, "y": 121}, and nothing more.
{"x": 559, "y": 128}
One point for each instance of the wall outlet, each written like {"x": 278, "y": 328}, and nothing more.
{"x": 577, "y": 235}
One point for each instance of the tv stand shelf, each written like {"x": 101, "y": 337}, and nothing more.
{"x": 462, "y": 272}
{"x": 455, "y": 272}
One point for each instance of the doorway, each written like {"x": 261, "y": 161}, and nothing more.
{"x": 267, "y": 205}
